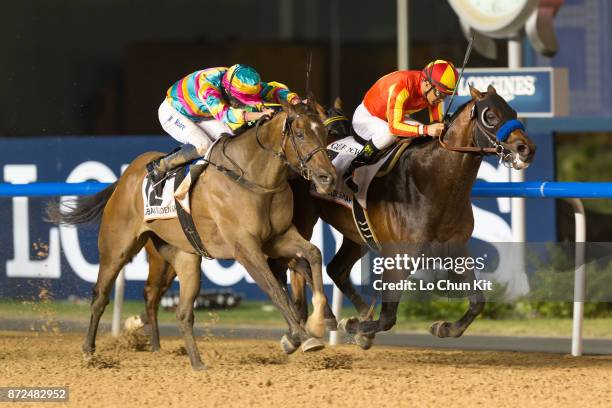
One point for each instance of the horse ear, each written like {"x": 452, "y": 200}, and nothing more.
{"x": 338, "y": 103}
{"x": 321, "y": 112}
{"x": 491, "y": 90}
{"x": 312, "y": 101}
{"x": 475, "y": 93}
{"x": 288, "y": 108}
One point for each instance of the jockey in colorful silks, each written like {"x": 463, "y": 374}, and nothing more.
{"x": 385, "y": 111}
{"x": 202, "y": 106}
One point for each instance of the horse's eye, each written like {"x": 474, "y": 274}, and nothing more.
{"x": 490, "y": 118}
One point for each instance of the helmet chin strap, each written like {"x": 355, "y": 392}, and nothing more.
{"x": 431, "y": 87}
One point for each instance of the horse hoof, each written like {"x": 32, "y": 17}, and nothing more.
{"x": 315, "y": 328}
{"x": 312, "y": 344}
{"x": 88, "y": 352}
{"x": 133, "y": 323}
{"x": 440, "y": 329}
{"x": 287, "y": 346}
{"x": 349, "y": 325}
{"x": 364, "y": 342}
{"x": 331, "y": 324}
{"x": 199, "y": 367}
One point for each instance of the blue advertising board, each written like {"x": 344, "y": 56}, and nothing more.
{"x": 532, "y": 92}
{"x": 63, "y": 261}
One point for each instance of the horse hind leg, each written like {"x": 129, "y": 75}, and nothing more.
{"x": 187, "y": 266}
{"x": 115, "y": 252}
{"x": 160, "y": 278}
{"x": 457, "y": 328}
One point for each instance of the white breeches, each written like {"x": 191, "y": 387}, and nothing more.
{"x": 200, "y": 134}
{"x": 370, "y": 127}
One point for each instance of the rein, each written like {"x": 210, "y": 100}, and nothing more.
{"x": 288, "y": 133}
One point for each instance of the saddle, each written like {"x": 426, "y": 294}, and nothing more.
{"x": 341, "y": 152}
{"x": 170, "y": 199}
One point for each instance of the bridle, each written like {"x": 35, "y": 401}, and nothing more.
{"x": 494, "y": 135}
{"x": 327, "y": 122}
{"x": 289, "y": 134}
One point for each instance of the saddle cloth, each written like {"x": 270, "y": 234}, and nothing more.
{"x": 164, "y": 207}
{"x": 158, "y": 207}
{"x": 342, "y": 152}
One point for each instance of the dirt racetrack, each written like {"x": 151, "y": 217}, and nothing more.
{"x": 244, "y": 373}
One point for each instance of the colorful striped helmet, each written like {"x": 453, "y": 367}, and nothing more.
{"x": 243, "y": 83}
{"x": 442, "y": 74}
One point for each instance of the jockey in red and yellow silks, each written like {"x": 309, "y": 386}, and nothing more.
{"x": 385, "y": 112}
{"x": 205, "y": 104}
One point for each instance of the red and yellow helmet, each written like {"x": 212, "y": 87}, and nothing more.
{"x": 442, "y": 74}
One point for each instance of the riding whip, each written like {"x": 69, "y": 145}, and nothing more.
{"x": 465, "y": 61}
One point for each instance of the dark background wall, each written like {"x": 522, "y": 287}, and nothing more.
{"x": 102, "y": 67}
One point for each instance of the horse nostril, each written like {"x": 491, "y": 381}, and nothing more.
{"x": 523, "y": 150}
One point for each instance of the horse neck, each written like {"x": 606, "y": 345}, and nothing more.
{"x": 259, "y": 164}
{"x": 442, "y": 172}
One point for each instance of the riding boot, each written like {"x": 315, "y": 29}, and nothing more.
{"x": 158, "y": 168}
{"x": 366, "y": 156}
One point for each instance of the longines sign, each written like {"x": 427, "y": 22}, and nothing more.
{"x": 532, "y": 92}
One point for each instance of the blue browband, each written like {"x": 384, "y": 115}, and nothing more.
{"x": 507, "y": 128}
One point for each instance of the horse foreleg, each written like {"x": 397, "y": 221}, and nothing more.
{"x": 279, "y": 268}
{"x": 298, "y": 292}
{"x": 339, "y": 269}
{"x": 248, "y": 253}
{"x": 301, "y": 273}
{"x": 388, "y": 312}
{"x": 290, "y": 244}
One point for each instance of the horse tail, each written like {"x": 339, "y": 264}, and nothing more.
{"x": 82, "y": 210}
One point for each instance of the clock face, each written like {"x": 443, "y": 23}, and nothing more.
{"x": 497, "y": 8}
{"x": 495, "y": 18}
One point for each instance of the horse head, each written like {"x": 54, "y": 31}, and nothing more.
{"x": 307, "y": 135}
{"x": 335, "y": 121}
{"x": 487, "y": 124}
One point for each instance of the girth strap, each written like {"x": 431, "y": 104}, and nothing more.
{"x": 186, "y": 221}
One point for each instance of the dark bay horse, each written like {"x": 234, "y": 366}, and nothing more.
{"x": 424, "y": 199}
{"x": 248, "y": 220}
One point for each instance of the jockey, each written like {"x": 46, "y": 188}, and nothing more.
{"x": 383, "y": 116}
{"x": 202, "y": 106}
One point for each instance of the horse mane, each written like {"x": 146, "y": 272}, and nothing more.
{"x": 426, "y": 139}
{"x": 458, "y": 111}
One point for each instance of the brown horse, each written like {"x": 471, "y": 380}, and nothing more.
{"x": 162, "y": 274}
{"x": 248, "y": 220}
{"x": 424, "y": 199}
